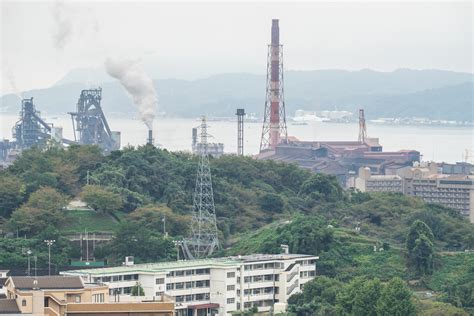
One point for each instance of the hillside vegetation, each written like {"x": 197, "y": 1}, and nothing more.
{"x": 260, "y": 205}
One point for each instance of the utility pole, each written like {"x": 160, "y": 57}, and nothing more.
{"x": 49, "y": 242}
{"x": 35, "y": 259}
{"x": 29, "y": 252}
{"x": 164, "y": 225}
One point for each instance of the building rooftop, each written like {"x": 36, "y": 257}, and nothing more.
{"x": 157, "y": 267}
{"x": 8, "y": 307}
{"x": 47, "y": 282}
{"x": 184, "y": 264}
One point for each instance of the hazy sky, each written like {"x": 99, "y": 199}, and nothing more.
{"x": 42, "y": 41}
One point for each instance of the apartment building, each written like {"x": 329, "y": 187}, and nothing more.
{"x": 215, "y": 286}
{"x": 452, "y": 190}
{"x": 68, "y": 295}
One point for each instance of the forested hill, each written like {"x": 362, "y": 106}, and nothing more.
{"x": 259, "y": 206}
{"x": 434, "y": 94}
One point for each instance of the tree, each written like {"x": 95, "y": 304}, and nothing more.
{"x": 395, "y": 300}
{"x": 420, "y": 248}
{"x": 137, "y": 290}
{"x": 101, "y": 199}
{"x": 322, "y": 187}
{"x": 133, "y": 239}
{"x": 153, "y": 217}
{"x": 359, "y": 297}
{"x": 12, "y": 193}
{"x": 43, "y": 208}
{"x": 48, "y": 199}
{"x": 271, "y": 202}
{"x": 319, "y": 295}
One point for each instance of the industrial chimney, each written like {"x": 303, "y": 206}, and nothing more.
{"x": 150, "y": 137}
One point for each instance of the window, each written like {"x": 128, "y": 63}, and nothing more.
{"x": 238, "y": 292}
{"x": 160, "y": 281}
{"x": 23, "y": 303}
{"x": 230, "y": 274}
{"x": 231, "y": 300}
{"x": 116, "y": 278}
{"x": 159, "y": 293}
{"x": 179, "y": 298}
{"x": 179, "y": 273}
{"x": 170, "y": 286}
{"x": 78, "y": 299}
{"x": 189, "y": 272}
{"x": 189, "y": 298}
{"x": 189, "y": 285}
{"x": 179, "y": 285}
{"x": 230, "y": 287}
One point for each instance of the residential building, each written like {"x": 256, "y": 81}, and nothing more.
{"x": 215, "y": 286}
{"x": 423, "y": 180}
{"x": 68, "y": 295}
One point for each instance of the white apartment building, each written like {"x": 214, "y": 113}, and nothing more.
{"x": 215, "y": 286}
{"x": 454, "y": 191}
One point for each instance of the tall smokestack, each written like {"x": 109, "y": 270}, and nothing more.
{"x": 274, "y": 123}
{"x": 150, "y": 137}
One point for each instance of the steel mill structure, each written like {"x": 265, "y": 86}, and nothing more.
{"x": 274, "y": 129}
{"x": 91, "y": 125}
{"x": 240, "y": 131}
{"x": 203, "y": 240}
{"x": 31, "y": 129}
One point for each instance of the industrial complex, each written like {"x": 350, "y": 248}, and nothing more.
{"x": 199, "y": 284}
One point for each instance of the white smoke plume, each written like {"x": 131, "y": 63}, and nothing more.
{"x": 63, "y": 25}
{"x": 138, "y": 84}
{"x": 11, "y": 80}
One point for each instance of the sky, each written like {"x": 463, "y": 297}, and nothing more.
{"x": 43, "y": 41}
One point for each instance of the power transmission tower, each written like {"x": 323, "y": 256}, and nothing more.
{"x": 274, "y": 129}
{"x": 362, "y": 127}
{"x": 204, "y": 238}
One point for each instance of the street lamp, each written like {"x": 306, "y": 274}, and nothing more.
{"x": 28, "y": 253}
{"x": 49, "y": 242}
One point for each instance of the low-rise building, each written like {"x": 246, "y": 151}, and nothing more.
{"x": 68, "y": 295}
{"x": 215, "y": 286}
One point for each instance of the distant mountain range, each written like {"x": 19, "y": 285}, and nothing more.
{"x": 433, "y": 94}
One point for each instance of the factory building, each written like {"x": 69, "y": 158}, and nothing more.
{"x": 341, "y": 158}
{"x": 216, "y": 286}
{"x": 424, "y": 181}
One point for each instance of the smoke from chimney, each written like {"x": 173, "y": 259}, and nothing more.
{"x": 137, "y": 83}
{"x": 63, "y": 25}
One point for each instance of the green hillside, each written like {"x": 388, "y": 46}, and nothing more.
{"x": 259, "y": 206}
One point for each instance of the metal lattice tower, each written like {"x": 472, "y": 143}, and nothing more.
{"x": 91, "y": 124}
{"x": 31, "y": 129}
{"x": 204, "y": 239}
{"x": 274, "y": 129}
{"x": 240, "y": 131}
{"x": 362, "y": 127}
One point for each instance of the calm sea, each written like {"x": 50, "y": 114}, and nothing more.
{"x": 434, "y": 142}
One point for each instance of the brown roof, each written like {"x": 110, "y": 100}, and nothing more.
{"x": 48, "y": 282}
{"x": 9, "y": 307}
